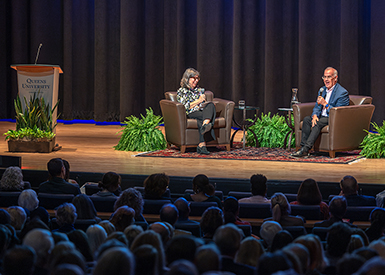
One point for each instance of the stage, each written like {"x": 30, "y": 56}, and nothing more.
{"x": 89, "y": 148}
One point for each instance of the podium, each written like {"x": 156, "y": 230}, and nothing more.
{"x": 39, "y": 78}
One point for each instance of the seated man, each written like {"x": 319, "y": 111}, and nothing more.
{"x": 184, "y": 211}
{"x": 349, "y": 189}
{"x": 258, "y": 189}
{"x": 331, "y": 95}
{"x": 337, "y": 209}
{"x": 57, "y": 184}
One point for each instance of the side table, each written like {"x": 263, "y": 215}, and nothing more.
{"x": 288, "y": 122}
{"x": 245, "y": 125}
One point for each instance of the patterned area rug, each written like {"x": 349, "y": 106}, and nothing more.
{"x": 253, "y": 153}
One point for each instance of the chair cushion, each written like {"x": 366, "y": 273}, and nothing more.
{"x": 220, "y": 122}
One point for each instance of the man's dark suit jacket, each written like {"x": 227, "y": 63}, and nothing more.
{"x": 58, "y": 186}
{"x": 360, "y": 200}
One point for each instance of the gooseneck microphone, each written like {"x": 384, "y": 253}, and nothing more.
{"x": 38, "y": 52}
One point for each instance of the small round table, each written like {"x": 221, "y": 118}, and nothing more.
{"x": 288, "y": 122}
{"x": 245, "y": 125}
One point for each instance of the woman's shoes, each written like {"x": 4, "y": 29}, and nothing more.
{"x": 205, "y": 128}
{"x": 203, "y": 150}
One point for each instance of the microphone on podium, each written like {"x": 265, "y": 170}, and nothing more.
{"x": 38, "y": 52}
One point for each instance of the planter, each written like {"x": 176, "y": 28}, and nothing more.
{"x": 31, "y": 146}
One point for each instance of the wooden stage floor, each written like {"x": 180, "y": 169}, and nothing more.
{"x": 88, "y": 148}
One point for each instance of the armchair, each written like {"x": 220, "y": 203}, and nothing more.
{"x": 183, "y": 132}
{"x": 346, "y": 125}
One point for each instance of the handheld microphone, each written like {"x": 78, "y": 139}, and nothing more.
{"x": 38, "y": 52}
{"x": 320, "y": 92}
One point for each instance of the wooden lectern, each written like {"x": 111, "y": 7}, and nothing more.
{"x": 39, "y": 78}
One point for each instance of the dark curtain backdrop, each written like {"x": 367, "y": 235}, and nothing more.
{"x": 120, "y": 56}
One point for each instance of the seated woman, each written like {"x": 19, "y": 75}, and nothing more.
{"x": 309, "y": 194}
{"x": 193, "y": 98}
{"x": 132, "y": 198}
{"x": 29, "y": 201}
{"x": 231, "y": 211}
{"x": 110, "y": 184}
{"x": 65, "y": 218}
{"x": 280, "y": 208}
{"x": 203, "y": 191}
{"x": 85, "y": 208}
{"x": 155, "y": 187}
{"x": 12, "y": 180}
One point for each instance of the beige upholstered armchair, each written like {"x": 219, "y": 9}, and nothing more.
{"x": 346, "y": 125}
{"x": 183, "y": 132}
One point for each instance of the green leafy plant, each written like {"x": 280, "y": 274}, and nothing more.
{"x": 142, "y": 134}
{"x": 35, "y": 121}
{"x": 373, "y": 145}
{"x": 270, "y": 131}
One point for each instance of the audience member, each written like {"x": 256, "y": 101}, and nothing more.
{"x": 181, "y": 247}
{"x": 231, "y": 211}
{"x": 366, "y": 252}
{"x": 270, "y": 263}
{"x": 355, "y": 242}
{"x": 207, "y": 258}
{"x": 183, "y": 207}
{"x": 69, "y": 257}
{"x": 249, "y": 252}
{"x": 155, "y": 187}
{"x": 32, "y": 224}
{"x": 146, "y": 260}
{"x": 29, "y": 201}
{"x": 108, "y": 244}
{"x": 132, "y": 232}
{"x": 379, "y": 246}
{"x": 374, "y": 266}
{"x": 211, "y": 219}
{"x": 182, "y": 267}
{"x": 349, "y": 189}
{"x": 302, "y": 253}
{"x": 85, "y": 208}
{"x": 109, "y": 227}
{"x": 117, "y": 261}
{"x": 348, "y": 264}
{"x": 59, "y": 237}
{"x": 110, "y": 185}
{"x": 318, "y": 262}
{"x": 19, "y": 260}
{"x": 67, "y": 173}
{"x": 56, "y": 184}
{"x": 122, "y": 217}
{"x": 280, "y": 240}
{"x": 5, "y": 218}
{"x": 12, "y": 180}
{"x": 228, "y": 239}
{"x": 359, "y": 231}
{"x": 204, "y": 191}
{"x": 68, "y": 269}
{"x": 18, "y": 217}
{"x": 258, "y": 189}
{"x": 119, "y": 236}
{"x": 337, "y": 209}
{"x": 132, "y": 198}
{"x": 65, "y": 218}
{"x": 280, "y": 208}
{"x": 377, "y": 224}
{"x": 80, "y": 240}
{"x": 96, "y": 236}
{"x": 309, "y": 194}
{"x": 163, "y": 230}
{"x": 169, "y": 213}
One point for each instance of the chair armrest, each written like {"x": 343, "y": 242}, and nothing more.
{"x": 347, "y": 125}
{"x": 300, "y": 111}
{"x": 175, "y": 119}
{"x": 224, "y": 108}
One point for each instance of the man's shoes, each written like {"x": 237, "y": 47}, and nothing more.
{"x": 203, "y": 150}
{"x": 300, "y": 153}
{"x": 205, "y": 128}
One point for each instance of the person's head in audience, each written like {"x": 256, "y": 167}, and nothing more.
{"x": 132, "y": 198}
{"x": 56, "y": 168}
{"x": 152, "y": 238}
{"x": 59, "y": 237}
{"x": 59, "y": 249}
{"x": 19, "y": 260}
{"x": 302, "y": 254}
{"x": 181, "y": 247}
{"x": 119, "y": 236}
{"x": 294, "y": 260}
{"x": 249, "y": 252}
{"x": 110, "y": 182}
{"x": 28, "y": 200}
{"x": 269, "y": 263}
{"x": 258, "y": 185}
{"x": 338, "y": 239}
{"x": 348, "y": 264}
{"x": 67, "y": 172}
{"x": 211, "y": 219}
{"x": 356, "y": 242}
{"x": 379, "y": 246}
{"x": 349, "y": 186}
{"x": 279, "y": 206}
{"x": 268, "y": 230}
{"x": 66, "y": 214}
{"x": 69, "y": 257}
{"x": 68, "y": 269}
{"x": 123, "y": 217}
{"x": 230, "y": 210}
{"x": 96, "y": 236}
{"x": 85, "y": 208}
{"x": 108, "y": 226}
{"x": 117, "y": 261}
{"x": 18, "y": 217}
{"x": 201, "y": 184}
{"x": 317, "y": 256}
{"x": 228, "y": 239}
{"x": 309, "y": 193}
{"x": 163, "y": 230}
{"x": 366, "y": 252}
{"x": 12, "y": 179}
{"x": 5, "y": 218}
{"x": 207, "y": 258}
{"x": 377, "y": 224}
{"x": 42, "y": 242}
{"x": 80, "y": 240}
{"x": 155, "y": 185}
{"x": 182, "y": 267}
{"x": 132, "y": 232}
{"x": 280, "y": 240}
{"x": 183, "y": 207}
{"x": 169, "y": 213}
{"x": 34, "y": 223}
{"x": 146, "y": 259}
{"x": 108, "y": 244}
{"x": 375, "y": 266}
{"x": 337, "y": 206}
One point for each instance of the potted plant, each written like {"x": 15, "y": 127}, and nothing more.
{"x": 34, "y": 126}
{"x": 373, "y": 145}
{"x": 142, "y": 134}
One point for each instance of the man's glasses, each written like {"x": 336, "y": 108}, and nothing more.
{"x": 328, "y": 77}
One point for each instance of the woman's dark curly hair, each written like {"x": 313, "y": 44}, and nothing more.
{"x": 132, "y": 198}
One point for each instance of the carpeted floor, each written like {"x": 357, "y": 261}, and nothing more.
{"x": 253, "y": 153}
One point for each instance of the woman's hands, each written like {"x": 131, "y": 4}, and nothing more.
{"x": 202, "y": 98}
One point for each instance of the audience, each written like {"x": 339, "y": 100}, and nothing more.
{"x": 122, "y": 217}
{"x": 337, "y": 209}
{"x": 280, "y": 208}
{"x": 169, "y": 213}
{"x": 65, "y": 218}
{"x": 110, "y": 184}
{"x": 155, "y": 187}
{"x": 208, "y": 258}
{"x": 258, "y": 189}
{"x": 29, "y": 201}
{"x": 183, "y": 207}
{"x": 377, "y": 224}
{"x": 12, "y": 180}
{"x": 19, "y": 260}
{"x": 85, "y": 208}
{"x": 117, "y": 261}
{"x": 211, "y": 219}
{"x": 268, "y": 231}
{"x": 349, "y": 189}
{"x": 146, "y": 259}
{"x": 18, "y": 217}
{"x": 231, "y": 211}
{"x": 204, "y": 191}
{"x": 132, "y": 198}
{"x": 249, "y": 252}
